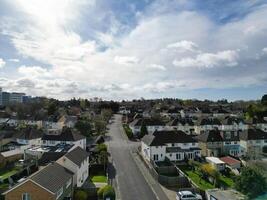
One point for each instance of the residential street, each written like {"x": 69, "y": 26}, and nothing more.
{"x": 131, "y": 183}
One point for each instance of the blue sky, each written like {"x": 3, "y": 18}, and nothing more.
{"x": 122, "y": 49}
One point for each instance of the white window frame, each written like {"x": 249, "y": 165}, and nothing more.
{"x": 26, "y": 197}
{"x": 59, "y": 192}
{"x": 68, "y": 183}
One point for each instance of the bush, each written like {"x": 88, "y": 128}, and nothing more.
{"x": 109, "y": 192}
{"x": 80, "y": 195}
{"x": 128, "y": 131}
{"x": 101, "y": 147}
{"x": 106, "y": 191}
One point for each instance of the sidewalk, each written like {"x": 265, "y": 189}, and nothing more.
{"x": 155, "y": 186}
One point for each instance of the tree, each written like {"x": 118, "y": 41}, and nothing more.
{"x": 143, "y": 130}
{"x": 106, "y": 192}
{"x": 84, "y": 127}
{"x": 250, "y": 182}
{"x": 101, "y": 147}
{"x": 80, "y": 195}
{"x": 103, "y": 158}
{"x": 100, "y": 125}
{"x": 264, "y": 100}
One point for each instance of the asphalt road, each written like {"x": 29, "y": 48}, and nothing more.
{"x": 131, "y": 183}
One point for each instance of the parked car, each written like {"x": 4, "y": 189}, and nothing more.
{"x": 187, "y": 195}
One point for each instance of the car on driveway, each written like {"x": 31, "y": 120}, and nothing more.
{"x": 187, "y": 195}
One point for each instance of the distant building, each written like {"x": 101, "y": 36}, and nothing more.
{"x": 5, "y": 98}
{"x": 16, "y": 97}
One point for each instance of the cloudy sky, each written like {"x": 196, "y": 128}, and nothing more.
{"x": 125, "y": 49}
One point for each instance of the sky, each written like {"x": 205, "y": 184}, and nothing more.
{"x": 128, "y": 49}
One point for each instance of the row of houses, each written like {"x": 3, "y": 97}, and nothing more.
{"x": 176, "y": 145}
{"x": 65, "y": 120}
{"x": 195, "y": 126}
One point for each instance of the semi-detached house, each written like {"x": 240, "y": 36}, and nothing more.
{"x": 77, "y": 161}
{"x": 173, "y": 145}
{"x": 54, "y": 182}
{"x": 151, "y": 124}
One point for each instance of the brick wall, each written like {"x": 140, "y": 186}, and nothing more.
{"x": 36, "y": 192}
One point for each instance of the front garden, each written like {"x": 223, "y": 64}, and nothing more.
{"x": 206, "y": 177}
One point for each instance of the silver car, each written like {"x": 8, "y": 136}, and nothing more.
{"x": 187, "y": 195}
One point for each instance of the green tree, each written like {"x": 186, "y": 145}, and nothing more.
{"x": 100, "y": 125}
{"x": 80, "y": 195}
{"x": 84, "y": 126}
{"x": 143, "y": 130}
{"x": 101, "y": 147}
{"x": 264, "y": 100}
{"x": 250, "y": 182}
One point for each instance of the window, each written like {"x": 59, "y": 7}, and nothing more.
{"x": 193, "y": 144}
{"x": 156, "y": 157}
{"x": 173, "y": 144}
{"x": 68, "y": 183}
{"x": 178, "y": 156}
{"x": 26, "y": 196}
{"x": 59, "y": 192}
{"x": 265, "y": 141}
{"x": 258, "y": 141}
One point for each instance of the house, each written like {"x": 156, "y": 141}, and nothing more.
{"x": 67, "y": 121}
{"x": 253, "y": 142}
{"x": 151, "y": 124}
{"x": 6, "y": 136}
{"x": 216, "y": 163}
{"x": 231, "y": 162}
{"x": 65, "y": 136}
{"x": 260, "y": 124}
{"x": 231, "y": 143}
{"x": 54, "y": 182}
{"x": 233, "y": 123}
{"x": 173, "y": 145}
{"x": 10, "y": 157}
{"x": 184, "y": 124}
{"x": 28, "y": 136}
{"x": 211, "y": 143}
{"x": 77, "y": 161}
{"x": 207, "y": 124}
{"x": 218, "y": 194}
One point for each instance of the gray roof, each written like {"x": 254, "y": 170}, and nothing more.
{"x": 77, "y": 156}
{"x": 52, "y": 177}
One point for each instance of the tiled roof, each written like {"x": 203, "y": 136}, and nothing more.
{"x": 67, "y": 134}
{"x": 229, "y": 160}
{"x": 77, "y": 155}
{"x": 182, "y": 121}
{"x": 164, "y": 137}
{"x": 253, "y": 134}
{"x": 28, "y": 134}
{"x": 210, "y": 136}
{"x": 52, "y": 177}
{"x": 147, "y": 122}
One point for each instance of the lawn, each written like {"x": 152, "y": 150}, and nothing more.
{"x": 98, "y": 179}
{"x": 201, "y": 183}
{"x": 7, "y": 173}
{"x": 227, "y": 181}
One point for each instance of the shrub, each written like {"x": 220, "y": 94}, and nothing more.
{"x": 128, "y": 131}
{"x": 109, "y": 192}
{"x": 80, "y": 195}
{"x": 106, "y": 191}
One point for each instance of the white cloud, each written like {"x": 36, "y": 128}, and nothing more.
{"x": 264, "y": 50}
{"x": 156, "y": 66}
{"x": 33, "y": 71}
{"x": 183, "y": 45}
{"x": 52, "y": 36}
{"x": 209, "y": 60}
{"x": 126, "y": 60}
{"x": 13, "y": 60}
{"x": 2, "y": 63}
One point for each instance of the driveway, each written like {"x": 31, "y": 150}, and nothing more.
{"x": 131, "y": 183}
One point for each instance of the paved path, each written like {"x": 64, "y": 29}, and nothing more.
{"x": 131, "y": 183}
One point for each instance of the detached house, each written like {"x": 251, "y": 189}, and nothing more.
{"x": 68, "y": 121}
{"x": 211, "y": 143}
{"x": 151, "y": 124}
{"x": 253, "y": 142}
{"x": 65, "y": 136}
{"x": 53, "y": 182}
{"x": 77, "y": 161}
{"x": 174, "y": 145}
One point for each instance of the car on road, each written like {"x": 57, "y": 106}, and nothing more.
{"x": 187, "y": 195}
